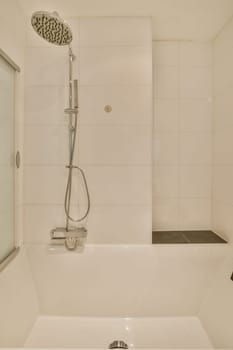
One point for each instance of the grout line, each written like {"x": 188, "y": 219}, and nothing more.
{"x": 90, "y": 165}
{"x": 107, "y": 45}
{"x": 181, "y": 41}
{"x": 63, "y": 85}
{"x": 179, "y": 223}
{"x": 120, "y": 205}
{"x": 95, "y": 205}
{"x": 96, "y": 125}
{"x": 213, "y": 144}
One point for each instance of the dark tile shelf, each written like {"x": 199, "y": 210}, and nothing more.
{"x": 181, "y": 237}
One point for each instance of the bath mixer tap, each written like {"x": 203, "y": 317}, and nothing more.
{"x": 71, "y": 238}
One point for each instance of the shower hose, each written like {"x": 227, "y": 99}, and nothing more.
{"x": 71, "y": 167}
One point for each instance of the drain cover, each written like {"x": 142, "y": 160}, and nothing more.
{"x": 118, "y": 344}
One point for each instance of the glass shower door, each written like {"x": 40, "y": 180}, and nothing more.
{"x": 7, "y": 167}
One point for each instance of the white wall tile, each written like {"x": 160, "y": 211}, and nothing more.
{"x": 115, "y": 65}
{"x": 130, "y": 104}
{"x": 165, "y": 181}
{"x": 48, "y": 66}
{"x": 166, "y": 148}
{"x": 166, "y": 115}
{"x": 223, "y": 75}
{"x": 223, "y": 219}
{"x": 222, "y": 183}
{"x": 130, "y": 31}
{"x": 166, "y": 53}
{"x": 195, "y": 148}
{"x": 45, "y": 145}
{"x": 182, "y": 135}
{"x": 195, "y": 115}
{"x": 45, "y": 105}
{"x": 115, "y": 144}
{"x": 165, "y": 214}
{"x": 195, "y": 54}
{"x": 44, "y": 184}
{"x": 223, "y": 147}
{"x": 195, "y": 181}
{"x": 117, "y": 224}
{"x": 108, "y": 185}
{"x": 195, "y": 82}
{"x": 105, "y": 224}
{"x": 74, "y": 24}
{"x": 195, "y": 214}
{"x": 223, "y": 109}
{"x": 132, "y": 185}
{"x": 166, "y": 84}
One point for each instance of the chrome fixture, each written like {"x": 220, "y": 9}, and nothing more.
{"x": 9, "y": 258}
{"x": 118, "y": 344}
{"x": 17, "y": 160}
{"x": 71, "y": 238}
{"x": 51, "y": 27}
{"x": 9, "y": 61}
{"x": 72, "y": 112}
{"x": 108, "y": 108}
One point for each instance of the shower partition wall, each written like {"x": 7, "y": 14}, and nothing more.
{"x": 7, "y": 159}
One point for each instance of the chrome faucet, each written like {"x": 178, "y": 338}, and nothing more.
{"x": 71, "y": 238}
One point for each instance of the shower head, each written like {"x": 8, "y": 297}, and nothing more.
{"x": 51, "y": 27}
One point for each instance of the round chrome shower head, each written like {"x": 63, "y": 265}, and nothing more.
{"x": 51, "y": 27}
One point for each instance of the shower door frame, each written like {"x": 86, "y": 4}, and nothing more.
{"x": 16, "y": 248}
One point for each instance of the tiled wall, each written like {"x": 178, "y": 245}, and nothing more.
{"x": 114, "y": 67}
{"x": 223, "y": 133}
{"x": 182, "y": 135}
{"x": 216, "y": 311}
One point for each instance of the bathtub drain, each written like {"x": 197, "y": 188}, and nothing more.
{"x": 118, "y": 344}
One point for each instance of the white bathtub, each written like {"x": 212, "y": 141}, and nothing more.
{"x": 148, "y": 296}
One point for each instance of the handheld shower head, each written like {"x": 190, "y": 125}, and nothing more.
{"x": 51, "y": 27}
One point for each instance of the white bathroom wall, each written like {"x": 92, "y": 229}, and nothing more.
{"x": 114, "y": 68}
{"x": 217, "y": 310}
{"x": 182, "y": 135}
{"x": 223, "y": 133}
{"x": 18, "y": 301}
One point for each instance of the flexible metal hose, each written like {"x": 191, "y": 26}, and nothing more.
{"x": 71, "y": 167}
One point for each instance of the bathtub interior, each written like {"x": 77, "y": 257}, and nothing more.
{"x": 57, "y": 299}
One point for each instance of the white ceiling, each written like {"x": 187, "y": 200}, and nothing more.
{"x": 172, "y": 19}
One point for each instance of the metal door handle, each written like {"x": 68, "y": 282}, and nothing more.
{"x": 17, "y": 159}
